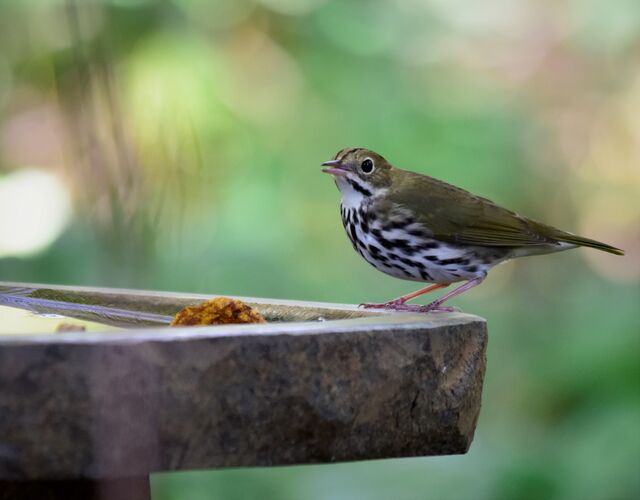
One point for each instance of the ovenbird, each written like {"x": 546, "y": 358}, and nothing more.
{"x": 418, "y": 228}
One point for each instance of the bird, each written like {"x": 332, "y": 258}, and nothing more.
{"x": 418, "y": 228}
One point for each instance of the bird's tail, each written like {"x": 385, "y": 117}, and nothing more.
{"x": 586, "y": 242}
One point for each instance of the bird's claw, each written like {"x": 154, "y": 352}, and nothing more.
{"x": 401, "y": 306}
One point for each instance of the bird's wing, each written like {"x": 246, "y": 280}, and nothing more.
{"x": 454, "y": 215}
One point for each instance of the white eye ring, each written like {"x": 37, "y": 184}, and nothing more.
{"x": 367, "y": 166}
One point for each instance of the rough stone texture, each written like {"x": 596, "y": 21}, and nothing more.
{"x": 100, "y": 405}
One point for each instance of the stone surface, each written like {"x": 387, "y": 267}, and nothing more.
{"x": 101, "y": 405}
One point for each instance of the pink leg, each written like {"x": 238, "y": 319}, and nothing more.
{"x": 400, "y": 302}
{"x": 436, "y": 305}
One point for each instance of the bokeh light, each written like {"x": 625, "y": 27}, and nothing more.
{"x": 34, "y": 210}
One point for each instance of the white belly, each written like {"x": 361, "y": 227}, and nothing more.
{"x": 395, "y": 251}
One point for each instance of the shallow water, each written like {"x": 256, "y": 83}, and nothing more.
{"x": 20, "y": 313}
{"x": 14, "y": 321}
{"x": 130, "y": 309}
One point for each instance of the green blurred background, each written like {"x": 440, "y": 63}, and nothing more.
{"x": 176, "y": 145}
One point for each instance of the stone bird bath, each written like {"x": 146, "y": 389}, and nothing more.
{"x": 86, "y": 414}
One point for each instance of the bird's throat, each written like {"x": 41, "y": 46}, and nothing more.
{"x": 356, "y": 193}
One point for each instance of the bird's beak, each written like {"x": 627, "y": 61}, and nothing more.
{"x": 334, "y": 167}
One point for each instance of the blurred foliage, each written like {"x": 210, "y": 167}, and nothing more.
{"x": 188, "y": 135}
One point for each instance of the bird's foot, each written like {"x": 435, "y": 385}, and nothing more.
{"x": 396, "y": 305}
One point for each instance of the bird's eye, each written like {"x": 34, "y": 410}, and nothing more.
{"x": 367, "y": 165}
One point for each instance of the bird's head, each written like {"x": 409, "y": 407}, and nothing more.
{"x": 359, "y": 172}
